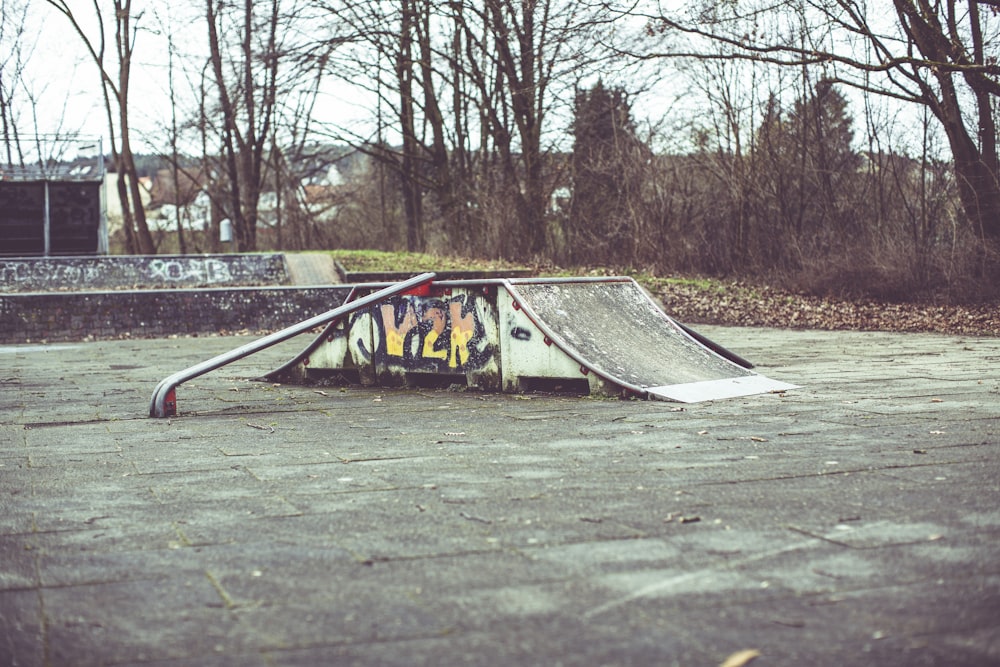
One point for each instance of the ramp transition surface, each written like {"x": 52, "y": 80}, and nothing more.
{"x": 613, "y": 329}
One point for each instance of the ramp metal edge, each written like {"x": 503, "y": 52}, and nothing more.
{"x": 713, "y": 346}
{"x": 164, "y": 402}
{"x": 711, "y": 390}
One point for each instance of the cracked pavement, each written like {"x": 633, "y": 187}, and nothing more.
{"x": 852, "y": 521}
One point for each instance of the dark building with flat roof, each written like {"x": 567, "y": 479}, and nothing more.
{"x": 54, "y": 206}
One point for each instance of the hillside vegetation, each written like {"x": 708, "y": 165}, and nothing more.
{"x": 711, "y": 301}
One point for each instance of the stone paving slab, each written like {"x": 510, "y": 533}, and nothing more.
{"x": 854, "y": 521}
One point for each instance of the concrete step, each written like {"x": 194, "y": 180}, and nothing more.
{"x": 311, "y": 269}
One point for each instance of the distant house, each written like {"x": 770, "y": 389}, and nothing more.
{"x": 54, "y": 206}
{"x": 113, "y": 204}
{"x": 187, "y": 199}
{"x": 163, "y": 190}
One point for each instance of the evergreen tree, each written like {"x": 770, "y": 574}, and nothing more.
{"x": 605, "y": 177}
{"x": 806, "y": 171}
{"x": 824, "y": 125}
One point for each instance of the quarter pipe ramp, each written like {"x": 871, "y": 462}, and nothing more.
{"x": 611, "y": 328}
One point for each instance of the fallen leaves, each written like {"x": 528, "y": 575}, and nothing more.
{"x": 770, "y": 306}
{"x": 741, "y": 658}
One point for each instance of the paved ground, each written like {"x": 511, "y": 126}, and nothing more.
{"x": 852, "y": 522}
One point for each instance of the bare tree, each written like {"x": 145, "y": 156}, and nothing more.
{"x": 934, "y": 54}
{"x": 406, "y": 63}
{"x": 13, "y": 43}
{"x": 116, "y": 101}
{"x": 393, "y": 54}
{"x": 478, "y": 95}
{"x": 174, "y": 157}
{"x": 245, "y": 54}
{"x": 516, "y": 53}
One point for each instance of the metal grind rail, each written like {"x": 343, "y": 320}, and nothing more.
{"x": 164, "y": 400}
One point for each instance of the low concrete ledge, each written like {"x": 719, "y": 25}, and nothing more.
{"x": 396, "y": 276}
{"x": 113, "y": 272}
{"x": 60, "y": 299}
{"x": 74, "y": 316}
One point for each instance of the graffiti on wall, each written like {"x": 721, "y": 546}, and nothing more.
{"x": 27, "y": 274}
{"x": 16, "y": 272}
{"x": 435, "y": 334}
{"x": 188, "y": 269}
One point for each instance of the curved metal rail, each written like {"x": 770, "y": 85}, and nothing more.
{"x": 164, "y": 400}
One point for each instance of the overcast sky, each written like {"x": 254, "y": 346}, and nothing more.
{"x": 66, "y": 82}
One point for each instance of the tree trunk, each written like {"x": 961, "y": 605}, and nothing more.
{"x": 976, "y": 166}
{"x": 131, "y": 247}
{"x": 518, "y": 70}
{"x": 124, "y": 43}
{"x": 410, "y": 185}
{"x": 144, "y": 238}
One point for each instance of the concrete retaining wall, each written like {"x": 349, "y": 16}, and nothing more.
{"x": 47, "y": 274}
{"x": 73, "y": 316}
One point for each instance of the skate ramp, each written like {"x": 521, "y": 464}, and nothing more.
{"x": 613, "y": 329}
{"x": 604, "y": 335}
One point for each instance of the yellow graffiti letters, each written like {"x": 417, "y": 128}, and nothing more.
{"x": 395, "y": 336}
{"x": 436, "y": 343}
{"x": 463, "y": 328}
{"x": 436, "y": 316}
{"x": 428, "y": 350}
